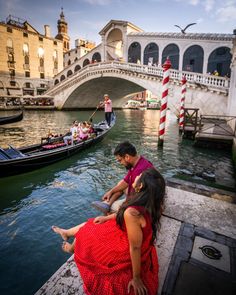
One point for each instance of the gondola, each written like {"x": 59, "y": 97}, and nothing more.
{"x": 16, "y": 161}
{"x": 11, "y": 119}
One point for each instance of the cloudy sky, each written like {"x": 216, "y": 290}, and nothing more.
{"x": 87, "y": 17}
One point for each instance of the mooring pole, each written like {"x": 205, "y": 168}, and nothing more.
{"x": 165, "y": 84}
{"x": 182, "y": 102}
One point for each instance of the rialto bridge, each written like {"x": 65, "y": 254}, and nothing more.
{"x": 129, "y": 61}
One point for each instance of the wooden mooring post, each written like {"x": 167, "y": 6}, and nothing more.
{"x": 191, "y": 123}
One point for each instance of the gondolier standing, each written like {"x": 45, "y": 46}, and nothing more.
{"x": 107, "y": 104}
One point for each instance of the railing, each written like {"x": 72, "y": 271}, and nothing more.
{"x": 219, "y": 125}
{"x": 195, "y": 78}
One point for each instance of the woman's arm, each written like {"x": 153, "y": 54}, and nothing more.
{"x": 102, "y": 219}
{"x": 133, "y": 221}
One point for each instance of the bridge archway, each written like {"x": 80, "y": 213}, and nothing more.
{"x": 96, "y": 57}
{"x": 86, "y": 62}
{"x": 134, "y": 52}
{"x": 69, "y": 73}
{"x": 193, "y": 59}
{"x": 77, "y": 68}
{"x": 151, "y": 53}
{"x": 114, "y": 44}
{"x": 171, "y": 51}
{"x": 220, "y": 60}
{"x": 62, "y": 78}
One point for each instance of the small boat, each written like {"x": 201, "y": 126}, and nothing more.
{"x": 11, "y": 119}
{"x": 16, "y": 161}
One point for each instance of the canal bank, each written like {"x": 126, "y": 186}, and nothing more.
{"x": 190, "y": 221}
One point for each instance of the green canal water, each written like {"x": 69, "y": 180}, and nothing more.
{"x": 61, "y": 194}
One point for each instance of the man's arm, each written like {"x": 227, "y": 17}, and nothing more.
{"x": 120, "y": 187}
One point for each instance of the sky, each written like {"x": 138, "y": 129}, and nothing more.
{"x": 86, "y": 18}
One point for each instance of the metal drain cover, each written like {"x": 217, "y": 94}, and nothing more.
{"x": 212, "y": 253}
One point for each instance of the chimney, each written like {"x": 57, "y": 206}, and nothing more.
{"x": 47, "y": 31}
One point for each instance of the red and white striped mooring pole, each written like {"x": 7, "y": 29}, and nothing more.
{"x": 181, "y": 115}
{"x": 165, "y": 83}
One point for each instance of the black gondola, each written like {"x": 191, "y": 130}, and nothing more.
{"x": 11, "y": 119}
{"x": 15, "y": 161}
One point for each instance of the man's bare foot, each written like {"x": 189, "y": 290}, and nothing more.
{"x": 61, "y": 232}
{"x": 67, "y": 247}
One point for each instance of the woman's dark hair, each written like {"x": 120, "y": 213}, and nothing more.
{"x": 151, "y": 197}
{"x": 125, "y": 148}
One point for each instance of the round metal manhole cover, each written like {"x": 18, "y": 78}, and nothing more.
{"x": 211, "y": 252}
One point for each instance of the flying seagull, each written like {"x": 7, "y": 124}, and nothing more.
{"x": 183, "y": 30}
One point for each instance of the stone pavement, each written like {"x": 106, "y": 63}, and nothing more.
{"x": 187, "y": 215}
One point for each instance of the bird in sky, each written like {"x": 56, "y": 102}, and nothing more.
{"x": 183, "y": 30}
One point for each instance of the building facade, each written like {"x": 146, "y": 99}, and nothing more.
{"x": 28, "y": 59}
{"x": 82, "y": 47}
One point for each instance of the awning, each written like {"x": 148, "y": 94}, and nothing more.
{"x": 14, "y": 92}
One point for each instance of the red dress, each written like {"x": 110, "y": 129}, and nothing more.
{"x": 103, "y": 258}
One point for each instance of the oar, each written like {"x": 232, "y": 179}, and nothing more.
{"x": 90, "y": 118}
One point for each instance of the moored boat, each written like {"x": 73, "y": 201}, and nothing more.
{"x": 15, "y": 161}
{"x": 11, "y": 119}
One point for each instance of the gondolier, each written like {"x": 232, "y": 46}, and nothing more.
{"x": 107, "y": 104}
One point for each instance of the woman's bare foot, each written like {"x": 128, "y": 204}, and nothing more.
{"x": 67, "y": 247}
{"x": 61, "y": 232}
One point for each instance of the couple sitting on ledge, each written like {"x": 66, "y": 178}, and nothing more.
{"x": 115, "y": 253}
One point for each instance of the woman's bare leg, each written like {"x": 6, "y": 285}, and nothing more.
{"x": 67, "y": 233}
{"x": 68, "y": 248}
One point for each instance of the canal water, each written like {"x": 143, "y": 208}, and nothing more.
{"x": 61, "y": 194}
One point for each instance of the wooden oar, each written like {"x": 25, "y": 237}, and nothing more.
{"x": 90, "y": 118}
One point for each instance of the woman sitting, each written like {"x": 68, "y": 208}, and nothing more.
{"x": 83, "y": 131}
{"x": 118, "y": 256}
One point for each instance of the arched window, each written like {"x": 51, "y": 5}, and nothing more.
{"x": 86, "y": 62}
{"x": 77, "y": 68}
{"x": 69, "y": 73}
{"x": 56, "y": 82}
{"x": 40, "y": 52}
{"x": 96, "y": 57}
{"x": 10, "y": 57}
{"x": 55, "y": 55}
{"x": 219, "y": 60}
{"x": 25, "y": 49}
{"x": 69, "y": 62}
{"x": 76, "y": 59}
{"x": 193, "y": 59}
{"x": 171, "y": 51}
{"x": 151, "y": 53}
{"x": 62, "y": 78}
{"x": 134, "y": 53}
{"x": 26, "y": 58}
{"x": 41, "y": 62}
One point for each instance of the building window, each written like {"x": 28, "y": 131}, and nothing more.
{"x": 40, "y": 52}
{"x": 27, "y": 74}
{"x": 42, "y": 75}
{"x": 9, "y": 30}
{"x": 55, "y": 42}
{"x": 27, "y": 85}
{"x": 41, "y": 62}
{"x": 40, "y": 39}
{"x": 13, "y": 83}
{"x": 25, "y": 35}
{"x": 25, "y": 49}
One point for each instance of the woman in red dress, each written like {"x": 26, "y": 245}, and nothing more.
{"x": 115, "y": 254}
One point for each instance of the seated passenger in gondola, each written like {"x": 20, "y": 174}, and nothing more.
{"x": 83, "y": 131}
{"x": 73, "y": 134}
{"x": 91, "y": 130}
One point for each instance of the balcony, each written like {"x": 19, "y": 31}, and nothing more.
{"x": 26, "y": 67}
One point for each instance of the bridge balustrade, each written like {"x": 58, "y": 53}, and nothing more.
{"x": 197, "y": 78}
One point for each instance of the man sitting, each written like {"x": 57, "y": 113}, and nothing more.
{"x": 73, "y": 134}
